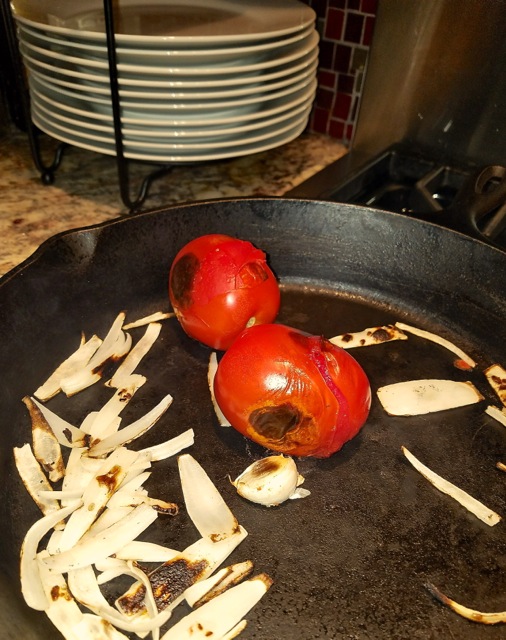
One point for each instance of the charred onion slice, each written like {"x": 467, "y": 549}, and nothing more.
{"x": 46, "y": 447}
{"x": 74, "y": 363}
{"x": 464, "y": 362}
{"x": 369, "y": 337}
{"x": 418, "y": 397}
{"x": 496, "y": 376}
{"x": 465, "y": 612}
{"x": 35, "y": 480}
{"x": 134, "y": 357}
{"x": 474, "y": 506}
{"x": 205, "y": 590}
{"x": 221, "y": 614}
{"x": 66, "y": 433}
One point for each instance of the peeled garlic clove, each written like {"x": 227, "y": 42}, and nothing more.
{"x": 270, "y": 481}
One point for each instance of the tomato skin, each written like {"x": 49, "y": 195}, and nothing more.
{"x": 292, "y": 392}
{"x": 218, "y": 286}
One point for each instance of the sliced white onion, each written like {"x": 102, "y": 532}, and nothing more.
{"x": 204, "y": 590}
{"x": 206, "y": 508}
{"x": 465, "y": 612}
{"x": 417, "y": 397}
{"x": 369, "y": 337}
{"x": 146, "y": 552}
{"x": 158, "y": 316}
{"x": 474, "y": 506}
{"x": 35, "y": 480}
{"x": 67, "y": 434}
{"x": 105, "y": 421}
{"x": 134, "y": 357}
{"x": 235, "y": 631}
{"x": 211, "y": 374}
{"x": 115, "y": 345}
{"x": 433, "y": 337}
{"x": 31, "y": 585}
{"x": 204, "y": 553}
{"x": 133, "y": 430}
{"x": 497, "y": 414}
{"x": 496, "y": 376}
{"x": 92, "y": 548}
{"x": 106, "y": 519}
{"x": 74, "y": 363}
{"x": 96, "y": 495}
{"x": 94, "y": 627}
{"x": 270, "y": 481}
{"x": 79, "y": 472}
{"x": 46, "y": 447}
{"x": 219, "y": 615}
{"x": 84, "y": 586}
{"x": 170, "y": 447}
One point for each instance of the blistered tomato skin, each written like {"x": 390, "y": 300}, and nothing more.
{"x": 292, "y": 392}
{"x": 218, "y": 286}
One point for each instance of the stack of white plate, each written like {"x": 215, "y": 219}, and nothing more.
{"x": 198, "y": 79}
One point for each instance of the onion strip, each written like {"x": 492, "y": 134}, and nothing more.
{"x": 369, "y": 337}
{"x": 475, "y": 507}
{"x": 134, "y": 357}
{"x": 497, "y": 414}
{"x": 35, "y": 480}
{"x": 211, "y": 374}
{"x": 443, "y": 342}
{"x": 219, "y": 615}
{"x": 465, "y": 612}
{"x": 496, "y": 376}
{"x": 74, "y": 363}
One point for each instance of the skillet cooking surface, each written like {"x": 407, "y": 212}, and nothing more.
{"x": 351, "y": 560}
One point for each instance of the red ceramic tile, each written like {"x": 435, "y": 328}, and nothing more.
{"x": 320, "y": 120}
{"x": 336, "y": 129}
{"x": 353, "y": 28}
{"x": 338, "y": 4}
{"x": 369, "y": 6}
{"x": 342, "y": 58}
{"x": 326, "y": 55}
{"x": 345, "y": 83}
{"x": 327, "y": 79}
{"x": 368, "y": 30}
{"x": 334, "y": 24}
{"x": 342, "y": 106}
{"x": 324, "y": 98}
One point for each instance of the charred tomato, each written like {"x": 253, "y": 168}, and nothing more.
{"x": 292, "y": 392}
{"x": 218, "y": 286}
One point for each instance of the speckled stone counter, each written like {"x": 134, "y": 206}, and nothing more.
{"x": 86, "y": 188}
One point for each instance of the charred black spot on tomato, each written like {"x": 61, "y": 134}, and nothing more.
{"x": 276, "y": 421}
{"x": 251, "y": 274}
{"x": 181, "y": 279}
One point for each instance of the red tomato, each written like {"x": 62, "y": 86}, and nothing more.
{"x": 218, "y": 286}
{"x": 292, "y": 392}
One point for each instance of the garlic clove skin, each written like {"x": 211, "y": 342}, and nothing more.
{"x": 270, "y": 481}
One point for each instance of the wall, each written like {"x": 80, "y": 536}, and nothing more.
{"x": 345, "y": 27}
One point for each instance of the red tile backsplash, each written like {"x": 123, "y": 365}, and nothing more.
{"x": 346, "y": 28}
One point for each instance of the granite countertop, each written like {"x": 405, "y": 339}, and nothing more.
{"x": 86, "y": 188}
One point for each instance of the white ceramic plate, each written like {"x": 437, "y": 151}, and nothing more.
{"x": 161, "y": 100}
{"x": 158, "y": 56}
{"x": 185, "y": 102}
{"x": 75, "y": 139}
{"x": 204, "y": 82}
{"x": 174, "y": 22}
{"x": 154, "y": 144}
{"x": 265, "y": 110}
{"x": 277, "y": 58}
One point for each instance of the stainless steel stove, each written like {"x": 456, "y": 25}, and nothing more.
{"x": 430, "y": 137}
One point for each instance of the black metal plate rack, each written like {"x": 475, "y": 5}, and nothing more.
{"x": 48, "y": 169}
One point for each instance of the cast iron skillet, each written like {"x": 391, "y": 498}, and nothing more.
{"x": 350, "y": 561}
